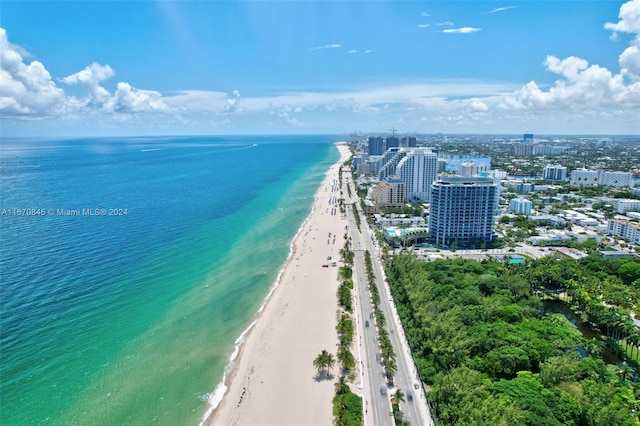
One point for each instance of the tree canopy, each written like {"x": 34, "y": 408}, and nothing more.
{"x": 490, "y": 353}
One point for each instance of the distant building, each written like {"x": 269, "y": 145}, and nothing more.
{"x": 520, "y": 186}
{"x": 469, "y": 168}
{"x": 527, "y": 138}
{"x": 555, "y": 173}
{"x": 376, "y": 145}
{"x": 462, "y": 210}
{"x": 392, "y": 142}
{"x": 546, "y": 149}
{"x": 523, "y": 150}
{"x": 408, "y": 142}
{"x": 584, "y": 177}
{"x": 388, "y": 193}
{"x": 418, "y": 170}
{"x": 520, "y": 206}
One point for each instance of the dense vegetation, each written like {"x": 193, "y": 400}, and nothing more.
{"x": 490, "y": 355}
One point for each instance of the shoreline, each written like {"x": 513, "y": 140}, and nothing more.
{"x": 246, "y": 347}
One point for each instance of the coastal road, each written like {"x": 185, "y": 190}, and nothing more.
{"x": 376, "y": 405}
{"x": 406, "y": 378}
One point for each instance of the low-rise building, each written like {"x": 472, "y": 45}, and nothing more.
{"x": 629, "y": 231}
{"x": 584, "y": 177}
{"x": 624, "y": 205}
{"x": 520, "y": 206}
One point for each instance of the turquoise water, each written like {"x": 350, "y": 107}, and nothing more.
{"x": 130, "y": 319}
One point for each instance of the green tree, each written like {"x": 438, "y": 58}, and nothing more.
{"x": 324, "y": 362}
{"x": 342, "y": 386}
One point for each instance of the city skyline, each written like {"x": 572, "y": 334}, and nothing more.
{"x": 162, "y": 68}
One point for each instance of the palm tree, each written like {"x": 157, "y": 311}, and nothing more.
{"x": 330, "y": 361}
{"x": 342, "y": 386}
{"x": 397, "y": 397}
{"x": 320, "y": 361}
{"x": 345, "y": 358}
{"x": 324, "y": 362}
{"x": 594, "y": 347}
{"x": 391, "y": 368}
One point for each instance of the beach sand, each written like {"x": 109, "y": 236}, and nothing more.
{"x": 273, "y": 380}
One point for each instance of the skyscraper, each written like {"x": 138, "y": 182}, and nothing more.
{"x": 418, "y": 170}
{"x": 376, "y": 145}
{"x": 392, "y": 142}
{"x": 408, "y": 141}
{"x": 462, "y": 210}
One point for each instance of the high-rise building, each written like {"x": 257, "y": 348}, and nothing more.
{"x": 408, "y": 142}
{"x": 390, "y": 160}
{"x": 527, "y": 138}
{"x": 523, "y": 149}
{"x": 556, "y": 173}
{"x": 376, "y": 145}
{"x": 462, "y": 210}
{"x": 392, "y": 142}
{"x": 418, "y": 170}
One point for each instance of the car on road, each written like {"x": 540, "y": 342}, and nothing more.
{"x": 415, "y": 386}
{"x": 366, "y": 323}
{"x": 410, "y": 398}
{"x": 325, "y": 266}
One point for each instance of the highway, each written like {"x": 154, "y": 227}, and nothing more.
{"x": 376, "y": 404}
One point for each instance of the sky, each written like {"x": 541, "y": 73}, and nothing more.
{"x": 103, "y": 68}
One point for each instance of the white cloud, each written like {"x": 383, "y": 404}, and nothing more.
{"x": 629, "y": 18}
{"x": 501, "y": 9}
{"x": 445, "y": 24}
{"x": 233, "y": 103}
{"x": 423, "y": 25}
{"x": 463, "y": 30}
{"x": 583, "y": 86}
{"x": 90, "y": 78}
{"x": 476, "y": 105}
{"x": 327, "y": 46}
{"x": 630, "y": 62}
{"x": 25, "y": 90}
{"x": 425, "y": 14}
{"x": 629, "y": 23}
{"x": 198, "y": 101}
{"x": 130, "y": 100}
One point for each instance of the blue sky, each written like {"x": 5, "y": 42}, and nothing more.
{"x": 219, "y": 67}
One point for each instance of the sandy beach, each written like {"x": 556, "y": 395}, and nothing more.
{"x": 273, "y": 381}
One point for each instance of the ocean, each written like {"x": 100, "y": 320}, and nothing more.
{"x": 130, "y": 266}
